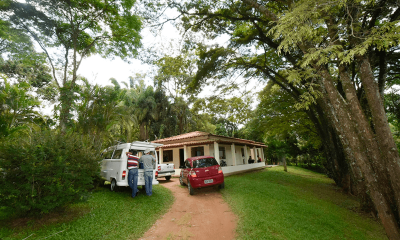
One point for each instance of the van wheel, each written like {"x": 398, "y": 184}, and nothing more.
{"x": 167, "y": 178}
{"x": 113, "y": 185}
{"x": 222, "y": 186}
{"x": 191, "y": 190}
{"x": 181, "y": 181}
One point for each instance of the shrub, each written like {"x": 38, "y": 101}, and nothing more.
{"x": 46, "y": 171}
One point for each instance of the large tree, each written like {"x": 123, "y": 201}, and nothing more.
{"x": 333, "y": 58}
{"x": 68, "y": 31}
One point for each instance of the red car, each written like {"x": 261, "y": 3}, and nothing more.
{"x": 201, "y": 171}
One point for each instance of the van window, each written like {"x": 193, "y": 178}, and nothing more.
{"x": 133, "y": 151}
{"x": 107, "y": 155}
{"x": 187, "y": 164}
{"x": 205, "y": 162}
{"x": 117, "y": 154}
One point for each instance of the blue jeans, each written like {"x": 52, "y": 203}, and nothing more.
{"x": 148, "y": 180}
{"x": 133, "y": 175}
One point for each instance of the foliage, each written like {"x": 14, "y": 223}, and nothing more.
{"x": 17, "y": 107}
{"x": 106, "y": 215}
{"x": 102, "y": 112}
{"x": 175, "y": 73}
{"x": 18, "y": 59}
{"x": 46, "y": 170}
{"x": 298, "y": 204}
{"x": 392, "y": 103}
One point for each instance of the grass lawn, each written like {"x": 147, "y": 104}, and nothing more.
{"x": 298, "y": 204}
{"x": 106, "y": 215}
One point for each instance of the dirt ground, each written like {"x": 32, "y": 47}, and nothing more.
{"x": 204, "y": 215}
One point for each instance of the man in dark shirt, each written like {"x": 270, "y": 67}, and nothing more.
{"x": 133, "y": 174}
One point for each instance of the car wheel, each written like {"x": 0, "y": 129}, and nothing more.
{"x": 181, "y": 181}
{"x": 222, "y": 186}
{"x": 168, "y": 178}
{"x": 113, "y": 185}
{"x": 191, "y": 190}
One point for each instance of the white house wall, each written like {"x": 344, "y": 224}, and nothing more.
{"x": 239, "y": 157}
{"x": 175, "y": 156}
{"x": 209, "y": 150}
{"x": 211, "y": 146}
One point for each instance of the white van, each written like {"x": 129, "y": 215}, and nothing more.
{"x": 114, "y": 164}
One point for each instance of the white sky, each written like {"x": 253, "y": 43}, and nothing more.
{"x": 99, "y": 70}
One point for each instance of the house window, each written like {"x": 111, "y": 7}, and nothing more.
{"x": 167, "y": 156}
{"x": 197, "y": 151}
{"x": 222, "y": 154}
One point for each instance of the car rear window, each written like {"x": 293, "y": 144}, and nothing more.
{"x": 205, "y": 162}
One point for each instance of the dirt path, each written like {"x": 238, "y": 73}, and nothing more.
{"x": 204, "y": 215}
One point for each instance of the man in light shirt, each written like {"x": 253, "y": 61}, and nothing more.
{"x": 149, "y": 163}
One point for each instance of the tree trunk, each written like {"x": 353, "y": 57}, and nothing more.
{"x": 354, "y": 141}
{"x": 66, "y": 103}
{"x": 283, "y": 157}
{"x": 389, "y": 159}
{"x": 142, "y": 131}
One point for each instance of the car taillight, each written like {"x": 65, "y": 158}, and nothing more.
{"x": 123, "y": 175}
{"x": 219, "y": 169}
{"x": 159, "y": 168}
{"x": 192, "y": 173}
{"x": 156, "y": 174}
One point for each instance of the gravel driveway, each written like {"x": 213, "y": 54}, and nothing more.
{"x": 204, "y": 215}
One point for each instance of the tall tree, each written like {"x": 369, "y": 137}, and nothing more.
{"x": 68, "y": 31}
{"x": 144, "y": 105}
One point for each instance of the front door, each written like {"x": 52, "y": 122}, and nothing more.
{"x": 181, "y": 157}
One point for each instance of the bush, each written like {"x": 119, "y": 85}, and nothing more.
{"x": 45, "y": 171}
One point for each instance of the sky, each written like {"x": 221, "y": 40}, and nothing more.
{"x": 99, "y": 70}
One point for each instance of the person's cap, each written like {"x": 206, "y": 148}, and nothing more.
{"x": 146, "y": 151}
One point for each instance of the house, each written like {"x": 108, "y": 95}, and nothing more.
{"x": 234, "y": 151}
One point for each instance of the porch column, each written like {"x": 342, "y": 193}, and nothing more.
{"x": 216, "y": 151}
{"x": 255, "y": 154}
{"x": 161, "y": 155}
{"x": 233, "y": 150}
{"x": 262, "y": 154}
{"x": 185, "y": 156}
{"x": 207, "y": 150}
{"x": 246, "y": 155}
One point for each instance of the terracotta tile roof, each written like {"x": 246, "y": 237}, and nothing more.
{"x": 189, "y": 140}
{"x": 182, "y": 136}
{"x": 174, "y": 145}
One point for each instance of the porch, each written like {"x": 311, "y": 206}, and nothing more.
{"x": 238, "y": 154}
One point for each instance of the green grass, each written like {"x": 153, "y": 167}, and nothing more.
{"x": 106, "y": 215}
{"x": 298, "y": 204}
